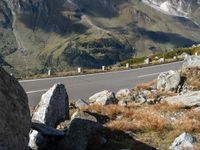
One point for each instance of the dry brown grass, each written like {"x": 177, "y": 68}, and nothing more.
{"x": 135, "y": 118}
{"x": 190, "y": 122}
{"x": 165, "y": 107}
{"x": 146, "y": 86}
{"x": 151, "y": 123}
{"x": 192, "y": 77}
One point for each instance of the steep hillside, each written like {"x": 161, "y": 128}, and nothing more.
{"x": 38, "y": 34}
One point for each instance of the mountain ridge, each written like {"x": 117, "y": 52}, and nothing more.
{"x": 69, "y": 33}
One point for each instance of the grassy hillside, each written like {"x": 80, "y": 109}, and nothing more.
{"x": 63, "y": 35}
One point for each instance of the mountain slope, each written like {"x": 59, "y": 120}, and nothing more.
{"x": 38, "y": 34}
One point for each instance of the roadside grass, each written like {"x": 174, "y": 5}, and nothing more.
{"x": 192, "y": 77}
{"x": 146, "y": 86}
{"x": 152, "y": 124}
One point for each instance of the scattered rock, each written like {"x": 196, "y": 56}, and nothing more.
{"x": 53, "y": 106}
{"x": 197, "y": 109}
{"x": 82, "y": 127}
{"x": 190, "y": 99}
{"x": 15, "y": 121}
{"x": 191, "y": 62}
{"x": 183, "y": 55}
{"x": 184, "y": 141}
{"x": 123, "y": 94}
{"x": 83, "y": 115}
{"x": 51, "y": 110}
{"x": 123, "y": 103}
{"x": 103, "y": 98}
{"x": 46, "y": 130}
{"x": 81, "y": 103}
{"x": 168, "y": 81}
{"x": 139, "y": 97}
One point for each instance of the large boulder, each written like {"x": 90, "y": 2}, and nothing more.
{"x": 190, "y": 99}
{"x": 82, "y": 127}
{"x": 191, "y": 62}
{"x": 51, "y": 110}
{"x": 168, "y": 81}
{"x": 15, "y": 121}
{"x": 183, "y": 142}
{"x": 103, "y": 98}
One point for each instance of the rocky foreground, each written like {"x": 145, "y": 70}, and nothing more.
{"x": 162, "y": 114}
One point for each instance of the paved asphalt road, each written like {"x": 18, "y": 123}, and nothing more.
{"x": 84, "y": 86}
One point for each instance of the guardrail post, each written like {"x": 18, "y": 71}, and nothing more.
{"x": 103, "y": 68}
{"x": 49, "y": 72}
{"x": 79, "y": 70}
{"x": 127, "y": 65}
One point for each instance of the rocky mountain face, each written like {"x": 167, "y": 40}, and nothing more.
{"x": 181, "y": 8}
{"x": 38, "y": 34}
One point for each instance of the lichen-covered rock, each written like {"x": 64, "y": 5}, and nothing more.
{"x": 168, "y": 81}
{"x": 51, "y": 110}
{"x": 191, "y": 62}
{"x": 103, "y": 98}
{"x": 15, "y": 121}
{"x": 81, "y": 103}
{"x": 189, "y": 99}
{"x": 183, "y": 142}
{"x": 123, "y": 94}
{"x": 53, "y": 106}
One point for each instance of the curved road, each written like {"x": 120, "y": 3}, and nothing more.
{"x": 83, "y": 86}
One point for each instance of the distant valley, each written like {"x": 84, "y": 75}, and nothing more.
{"x": 62, "y": 34}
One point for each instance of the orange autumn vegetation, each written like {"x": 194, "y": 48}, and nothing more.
{"x": 148, "y": 118}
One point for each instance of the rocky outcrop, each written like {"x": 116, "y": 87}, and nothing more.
{"x": 15, "y": 119}
{"x": 184, "y": 141}
{"x": 81, "y": 128}
{"x": 103, "y": 98}
{"x": 51, "y": 110}
{"x": 168, "y": 81}
{"x": 123, "y": 94}
{"x": 191, "y": 61}
{"x": 81, "y": 103}
{"x": 190, "y": 99}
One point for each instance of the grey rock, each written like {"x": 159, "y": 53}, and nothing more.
{"x": 103, "y": 98}
{"x": 83, "y": 115}
{"x": 191, "y": 61}
{"x": 139, "y": 97}
{"x": 183, "y": 56}
{"x": 123, "y": 94}
{"x": 82, "y": 127}
{"x": 168, "y": 81}
{"x": 81, "y": 103}
{"x": 184, "y": 141}
{"x": 46, "y": 130}
{"x": 197, "y": 109}
{"x": 123, "y": 103}
{"x": 53, "y": 106}
{"x": 189, "y": 99}
{"x": 52, "y": 109}
{"x": 15, "y": 121}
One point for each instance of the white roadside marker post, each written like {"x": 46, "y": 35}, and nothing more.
{"x": 196, "y": 54}
{"x": 79, "y": 70}
{"x": 103, "y": 68}
{"x": 127, "y": 65}
{"x": 49, "y": 72}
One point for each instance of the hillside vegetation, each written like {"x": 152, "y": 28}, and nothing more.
{"x": 37, "y": 35}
